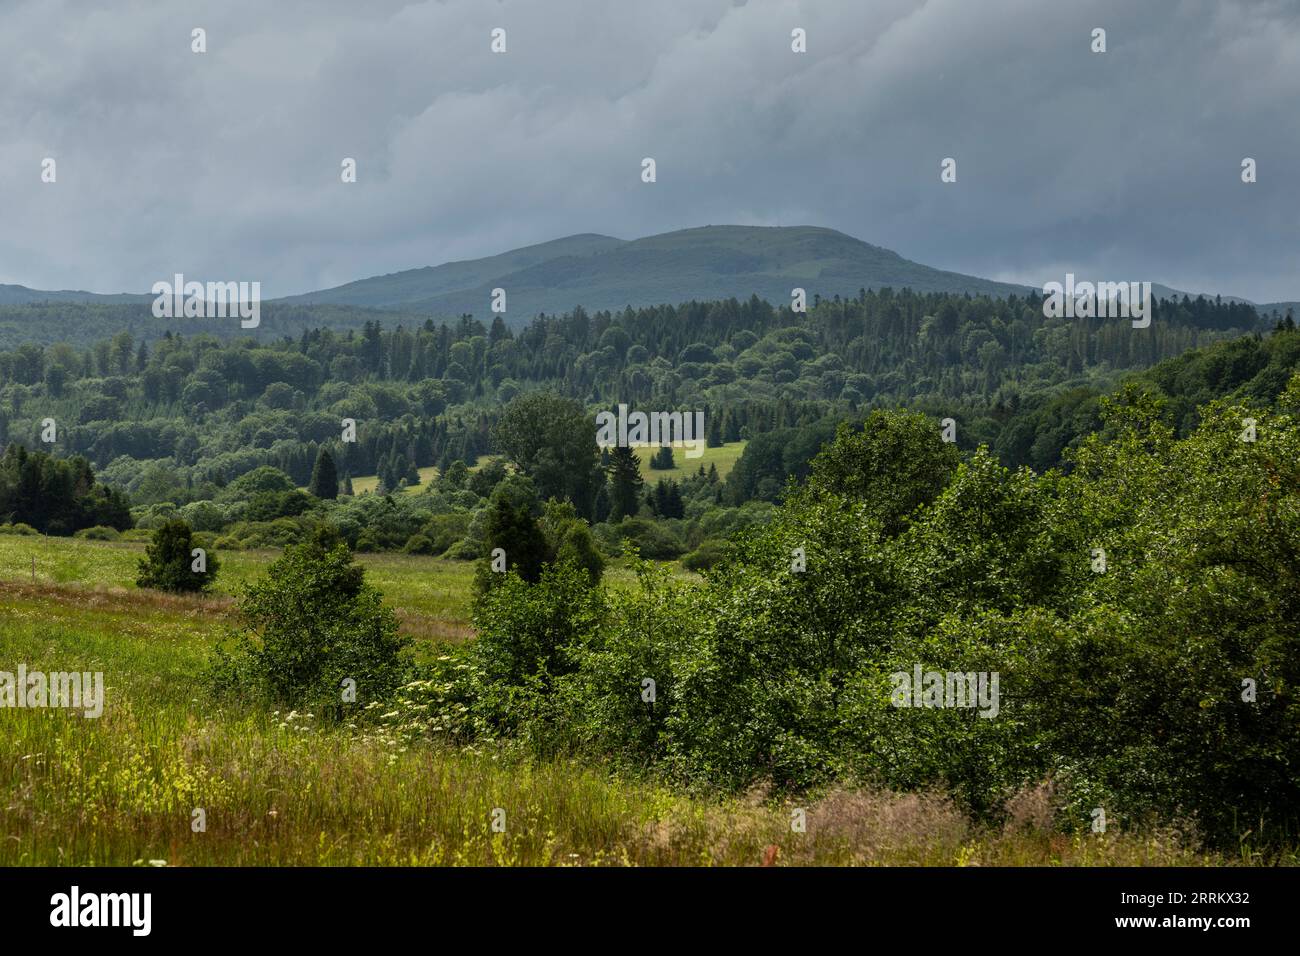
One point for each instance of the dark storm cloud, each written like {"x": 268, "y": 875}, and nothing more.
{"x": 1123, "y": 165}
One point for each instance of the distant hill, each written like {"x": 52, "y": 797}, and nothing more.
{"x": 402, "y": 289}
{"x": 21, "y": 295}
{"x": 596, "y": 272}
{"x": 708, "y": 263}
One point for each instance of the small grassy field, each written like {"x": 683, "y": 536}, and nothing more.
{"x": 278, "y": 789}
{"x": 724, "y": 457}
{"x": 369, "y": 483}
{"x": 430, "y": 595}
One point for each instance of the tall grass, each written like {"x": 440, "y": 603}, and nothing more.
{"x": 279, "y": 789}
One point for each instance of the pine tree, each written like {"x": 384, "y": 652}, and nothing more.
{"x": 625, "y": 483}
{"x": 660, "y": 503}
{"x": 324, "y": 477}
{"x": 516, "y": 532}
{"x": 602, "y": 506}
{"x": 714, "y": 432}
{"x": 675, "y": 507}
{"x": 662, "y": 460}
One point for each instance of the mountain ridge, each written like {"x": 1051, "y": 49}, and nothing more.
{"x": 599, "y": 272}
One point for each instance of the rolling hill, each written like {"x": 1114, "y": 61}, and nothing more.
{"x": 593, "y": 271}
{"x": 600, "y": 272}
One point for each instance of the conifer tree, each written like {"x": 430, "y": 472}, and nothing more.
{"x": 625, "y": 483}
{"x": 324, "y": 477}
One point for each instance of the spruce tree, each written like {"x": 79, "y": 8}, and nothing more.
{"x": 674, "y": 506}
{"x": 324, "y": 477}
{"x": 170, "y": 563}
{"x": 515, "y": 531}
{"x": 602, "y": 506}
{"x": 625, "y": 483}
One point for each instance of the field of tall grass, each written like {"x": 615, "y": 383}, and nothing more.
{"x": 278, "y": 788}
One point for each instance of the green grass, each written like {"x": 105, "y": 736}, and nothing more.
{"x": 370, "y": 483}
{"x": 724, "y": 457}
{"x": 430, "y": 595}
{"x": 280, "y": 789}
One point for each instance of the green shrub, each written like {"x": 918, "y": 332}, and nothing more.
{"x": 710, "y": 553}
{"x": 99, "y": 533}
{"x": 526, "y": 633}
{"x": 570, "y": 539}
{"x": 309, "y": 626}
{"x": 418, "y": 544}
{"x": 653, "y": 539}
{"x": 445, "y": 530}
{"x": 174, "y": 563}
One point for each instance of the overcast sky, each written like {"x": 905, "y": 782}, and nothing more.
{"x": 226, "y": 165}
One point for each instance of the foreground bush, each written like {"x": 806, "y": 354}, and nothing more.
{"x": 1154, "y": 682}
{"x": 314, "y": 635}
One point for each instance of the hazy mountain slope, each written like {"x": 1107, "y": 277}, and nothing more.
{"x": 21, "y": 295}
{"x": 712, "y": 262}
{"x": 399, "y": 289}
{"x": 589, "y": 270}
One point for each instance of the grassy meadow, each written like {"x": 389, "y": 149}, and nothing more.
{"x": 724, "y": 457}
{"x": 279, "y": 789}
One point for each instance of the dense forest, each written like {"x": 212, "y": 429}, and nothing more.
{"x": 227, "y": 431}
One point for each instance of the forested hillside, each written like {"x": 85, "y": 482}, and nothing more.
{"x": 228, "y": 430}
{"x": 219, "y": 408}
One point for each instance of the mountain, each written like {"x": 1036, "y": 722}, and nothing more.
{"x": 600, "y": 272}
{"x": 400, "y": 289}
{"x": 589, "y": 270}
{"x": 21, "y": 295}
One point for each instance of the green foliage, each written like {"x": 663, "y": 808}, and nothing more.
{"x": 512, "y": 529}
{"x": 774, "y": 457}
{"x": 324, "y": 477}
{"x": 486, "y": 478}
{"x": 651, "y": 539}
{"x": 1129, "y": 685}
{"x": 262, "y": 480}
{"x": 56, "y": 496}
{"x": 710, "y": 553}
{"x": 170, "y": 563}
{"x": 525, "y": 636}
{"x": 894, "y": 463}
{"x": 552, "y": 440}
{"x": 570, "y": 539}
{"x": 309, "y": 626}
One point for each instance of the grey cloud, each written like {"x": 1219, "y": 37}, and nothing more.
{"x": 1122, "y": 165}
